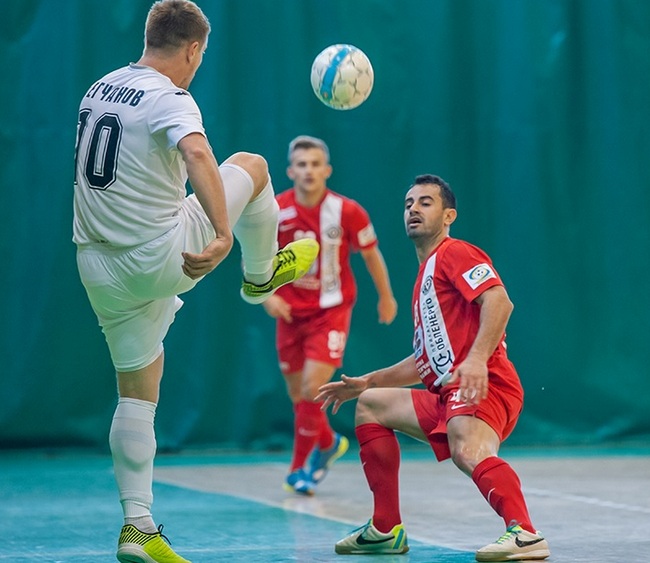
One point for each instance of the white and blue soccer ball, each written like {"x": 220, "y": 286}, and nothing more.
{"x": 342, "y": 76}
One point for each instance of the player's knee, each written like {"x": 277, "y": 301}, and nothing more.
{"x": 466, "y": 457}
{"x": 308, "y": 394}
{"x": 462, "y": 461}
{"x": 367, "y": 407}
{"x": 255, "y": 165}
{"x": 295, "y": 396}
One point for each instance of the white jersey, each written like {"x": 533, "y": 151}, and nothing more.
{"x": 129, "y": 174}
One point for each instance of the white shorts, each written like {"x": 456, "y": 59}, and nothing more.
{"x": 134, "y": 291}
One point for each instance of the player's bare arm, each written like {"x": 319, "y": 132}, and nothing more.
{"x": 206, "y": 182}
{"x": 496, "y": 308}
{"x": 335, "y": 393}
{"x": 386, "y": 306}
{"x": 278, "y": 308}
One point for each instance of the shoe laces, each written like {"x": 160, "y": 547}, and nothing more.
{"x": 511, "y": 531}
{"x": 363, "y": 527}
{"x": 285, "y": 257}
{"x": 163, "y": 536}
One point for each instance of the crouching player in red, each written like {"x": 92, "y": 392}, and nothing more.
{"x": 473, "y": 396}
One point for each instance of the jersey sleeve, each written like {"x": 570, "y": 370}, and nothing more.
{"x": 176, "y": 114}
{"x": 469, "y": 269}
{"x": 360, "y": 228}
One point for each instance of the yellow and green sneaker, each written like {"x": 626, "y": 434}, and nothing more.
{"x": 289, "y": 264}
{"x": 135, "y": 546}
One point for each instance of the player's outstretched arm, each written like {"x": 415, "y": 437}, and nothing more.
{"x": 335, "y": 393}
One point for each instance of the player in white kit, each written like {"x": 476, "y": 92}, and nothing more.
{"x": 142, "y": 240}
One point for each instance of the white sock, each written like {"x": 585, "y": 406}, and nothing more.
{"x": 255, "y": 224}
{"x": 133, "y": 445}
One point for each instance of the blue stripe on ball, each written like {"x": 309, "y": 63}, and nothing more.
{"x": 327, "y": 84}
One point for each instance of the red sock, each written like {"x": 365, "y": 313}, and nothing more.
{"x": 501, "y": 487}
{"x": 326, "y": 436}
{"x": 380, "y": 457}
{"x": 307, "y": 424}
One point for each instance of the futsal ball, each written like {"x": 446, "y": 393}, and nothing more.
{"x": 342, "y": 76}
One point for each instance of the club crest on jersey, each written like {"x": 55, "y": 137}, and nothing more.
{"x": 479, "y": 274}
{"x": 333, "y": 232}
{"x": 427, "y": 285}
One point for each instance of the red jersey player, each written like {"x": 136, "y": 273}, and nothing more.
{"x": 313, "y": 315}
{"x": 473, "y": 396}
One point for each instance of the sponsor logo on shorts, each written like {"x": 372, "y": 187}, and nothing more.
{"x": 456, "y": 398}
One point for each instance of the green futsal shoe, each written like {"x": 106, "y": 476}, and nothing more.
{"x": 135, "y": 546}
{"x": 289, "y": 264}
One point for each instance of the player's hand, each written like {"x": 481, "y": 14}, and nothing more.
{"x": 336, "y": 393}
{"x": 198, "y": 265}
{"x": 387, "y": 309}
{"x": 278, "y": 308}
{"x": 473, "y": 377}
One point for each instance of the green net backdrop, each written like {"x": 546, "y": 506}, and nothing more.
{"x": 536, "y": 112}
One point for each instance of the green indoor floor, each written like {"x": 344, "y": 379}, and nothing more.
{"x": 62, "y": 506}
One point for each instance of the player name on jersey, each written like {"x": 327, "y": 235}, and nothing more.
{"x": 115, "y": 94}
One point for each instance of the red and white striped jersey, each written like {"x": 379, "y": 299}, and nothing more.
{"x": 341, "y": 226}
{"x": 445, "y": 316}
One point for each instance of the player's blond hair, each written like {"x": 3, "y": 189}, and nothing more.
{"x": 308, "y": 142}
{"x": 173, "y": 23}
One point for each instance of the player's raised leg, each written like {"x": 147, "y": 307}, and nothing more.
{"x": 253, "y": 213}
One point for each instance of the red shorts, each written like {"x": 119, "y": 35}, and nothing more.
{"x": 321, "y": 337}
{"x": 500, "y": 410}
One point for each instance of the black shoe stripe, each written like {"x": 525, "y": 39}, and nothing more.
{"x": 363, "y": 541}
{"x": 527, "y": 543}
{"x": 130, "y": 534}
